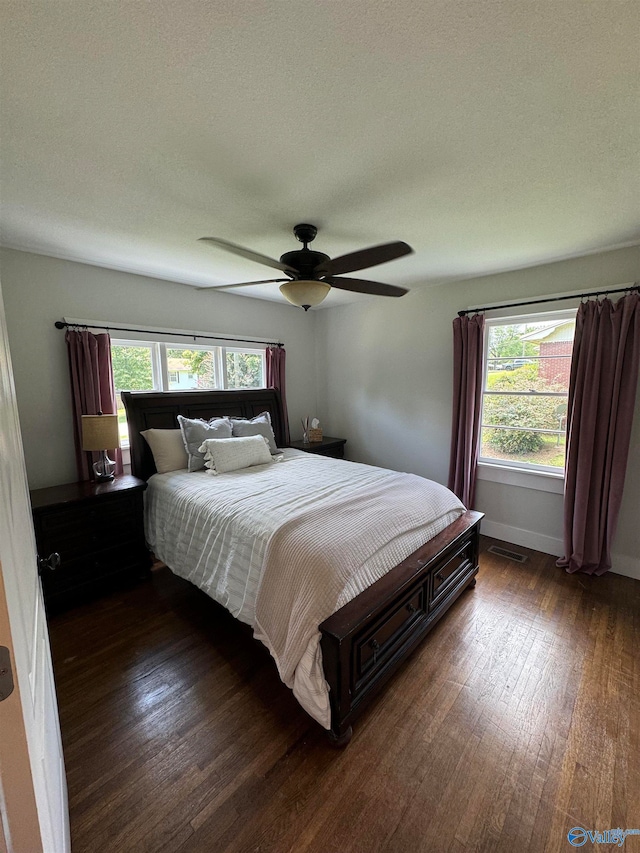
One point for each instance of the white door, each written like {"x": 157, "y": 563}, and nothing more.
{"x": 33, "y": 790}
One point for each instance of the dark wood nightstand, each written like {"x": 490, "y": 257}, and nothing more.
{"x": 327, "y": 447}
{"x": 98, "y": 531}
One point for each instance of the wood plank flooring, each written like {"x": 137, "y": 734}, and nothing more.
{"x": 516, "y": 720}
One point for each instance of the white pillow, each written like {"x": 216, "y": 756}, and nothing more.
{"x": 260, "y": 425}
{"x": 231, "y": 454}
{"x": 195, "y": 431}
{"x": 167, "y": 448}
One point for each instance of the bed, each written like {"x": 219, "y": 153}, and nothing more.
{"x": 390, "y": 606}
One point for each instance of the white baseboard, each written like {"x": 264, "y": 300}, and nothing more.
{"x": 525, "y": 538}
{"x": 625, "y": 565}
{"x": 622, "y": 563}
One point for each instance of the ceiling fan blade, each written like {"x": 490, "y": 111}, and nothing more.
{"x": 242, "y": 284}
{"x": 244, "y": 253}
{"x": 364, "y": 259}
{"x": 361, "y": 285}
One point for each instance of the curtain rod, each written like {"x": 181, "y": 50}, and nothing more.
{"x": 628, "y": 288}
{"x": 62, "y": 324}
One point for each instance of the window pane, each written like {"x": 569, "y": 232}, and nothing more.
{"x": 132, "y": 371}
{"x": 549, "y": 450}
{"x": 527, "y": 380}
{"x": 245, "y": 369}
{"x": 191, "y": 369}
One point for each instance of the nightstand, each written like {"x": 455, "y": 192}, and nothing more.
{"x": 327, "y": 447}
{"x": 98, "y": 531}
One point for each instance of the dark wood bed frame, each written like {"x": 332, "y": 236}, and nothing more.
{"x": 367, "y": 640}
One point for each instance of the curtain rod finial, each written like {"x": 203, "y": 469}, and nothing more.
{"x": 59, "y": 324}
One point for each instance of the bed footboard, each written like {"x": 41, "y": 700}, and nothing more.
{"x": 366, "y": 641}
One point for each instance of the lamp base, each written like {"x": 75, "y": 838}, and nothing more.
{"x": 104, "y": 469}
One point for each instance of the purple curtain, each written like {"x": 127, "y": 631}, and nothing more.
{"x": 602, "y": 392}
{"x": 468, "y": 340}
{"x": 92, "y": 390}
{"x": 276, "y": 360}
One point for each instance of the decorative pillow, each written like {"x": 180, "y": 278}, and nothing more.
{"x": 223, "y": 454}
{"x": 167, "y": 448}
{"x": 260, "y": 425}
{"x": 195, "y": 431}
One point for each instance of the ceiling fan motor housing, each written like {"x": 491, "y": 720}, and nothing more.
{"x": 304, "y": 262}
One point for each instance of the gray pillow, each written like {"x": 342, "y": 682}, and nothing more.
{"x": 195, "y": 431}
{"x": 260, "y": 425}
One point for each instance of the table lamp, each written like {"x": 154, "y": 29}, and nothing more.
{"x": 100, "y": 432}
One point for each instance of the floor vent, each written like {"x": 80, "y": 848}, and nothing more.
{"x": 510, "y": 555}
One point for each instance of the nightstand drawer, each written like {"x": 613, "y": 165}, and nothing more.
{"x": 333, "y": 447}
{"x": 75, "y": 530}
{"x": 94, "y": 571}
{"x": 333, "y": 452}
{"x": 95, "y": 565}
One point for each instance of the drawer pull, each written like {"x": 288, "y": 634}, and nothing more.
{"x": 375, "y": 645}
{"x": 52, "y": 562}
{"x": 411, "y": 608}
{"x": 439, "y": 577}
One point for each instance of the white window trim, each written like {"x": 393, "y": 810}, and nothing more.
{"x": 543, "y": 481}
{"x": 528, "y": 475}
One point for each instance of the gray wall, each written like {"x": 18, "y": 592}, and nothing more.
{"x": 377, "y": 372}
{"x": 385, "y": 380}
{"x": 39, "y": 290}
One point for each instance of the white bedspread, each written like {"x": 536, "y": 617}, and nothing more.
{"x": 215, "y": 531}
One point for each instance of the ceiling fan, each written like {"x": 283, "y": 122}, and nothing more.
{"x": 312, "y": 274}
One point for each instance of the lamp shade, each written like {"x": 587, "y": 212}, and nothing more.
{"x": 100, "y": 432}
{"x": 304, "y": 294}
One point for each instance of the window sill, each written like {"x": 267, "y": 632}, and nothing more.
{"x": 543, "y": 481}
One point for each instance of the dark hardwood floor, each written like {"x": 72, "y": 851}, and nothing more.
{"x": 516, "y": 720}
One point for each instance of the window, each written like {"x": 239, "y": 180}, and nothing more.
{"x": 526, "y": 383}
{"x": 244, "y": 368}
{"x": 158, "y": 366}
{"x": 194, "y": 368}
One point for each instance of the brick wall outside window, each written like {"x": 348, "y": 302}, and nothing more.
{"x": 552, "y": 369}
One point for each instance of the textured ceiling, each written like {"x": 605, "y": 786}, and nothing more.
{"x": 488, "y": 135}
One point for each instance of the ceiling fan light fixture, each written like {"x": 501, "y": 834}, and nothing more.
{"x": 313, "y": 273}
{"x": 305, "y": 294}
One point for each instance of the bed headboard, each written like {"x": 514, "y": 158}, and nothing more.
{"x": 159, "y": 410}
